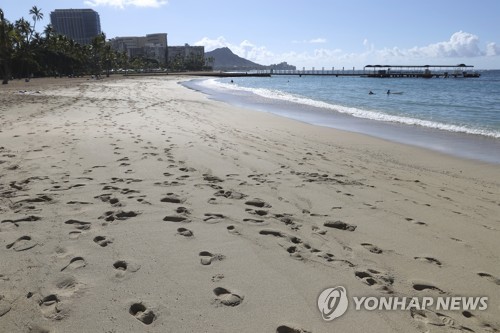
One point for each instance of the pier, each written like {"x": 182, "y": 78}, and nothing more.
{"x": 426, "y": 71}
{"x": 386, "y": 71}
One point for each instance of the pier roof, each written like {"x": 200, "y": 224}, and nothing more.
{"x": 419, "y": 66}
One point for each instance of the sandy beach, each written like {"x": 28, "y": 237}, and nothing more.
{"x": 138, "y": 205}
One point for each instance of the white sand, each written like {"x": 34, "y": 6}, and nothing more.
{"x": 96, "y": 178}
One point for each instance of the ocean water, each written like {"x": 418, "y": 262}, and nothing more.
{"x": 458, "y": 116}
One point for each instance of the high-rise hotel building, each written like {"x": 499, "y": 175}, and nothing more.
{"x": 81, "y": 25}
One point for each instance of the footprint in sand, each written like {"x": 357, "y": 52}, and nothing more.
{"x": 217, "y": 277}
{"x": 230, "y": 194}
{"x": 122, "y": 267}
{"x": 233, "y": 230}
{"x": 372, "y": 248}
{"x": 212, "y": 179}
{"x": 255, "y": 221}
{"x": 429, "y": 317}
{"x": 75, "y": 263}
{"x": 102, "y": 241}
{"x": 289, "y": 221}
{"x": 289, "y": 329}
{"x": 50, "y": 307}
{"x": 340, "y": 225}
{"x": 111, "y": 200}
{"x": 227, "y": 298}
{"x": 429, "y": 260}
{"x": 23, "y": 243}
{"x": 259, "y": 212}
{"x": 294, "y": 252}
{"x": 213, "y": 217}
{"x": 277, "y": 233}
{"x": 73, "y": 202}
{"x": 374, "y": 278}
{"x": 271, "y": 232}
{"x": 142, "y": 313}
{"x": 318, "y": 230}
{"x": 487, "y": 327}
{"x": 258, "y": 203}
{"x": 66, "y": 285}
{"x": 75, "y": 234}
{"x": 111, "y": 216}
{"x": 173, "y": 218}
{"x": 5, "y": 306}
{"x": 206, "y": 258}
{"x": 489, "y": 277}
{"x": 187, "y": 169}
{"x": 30, "y": 218}
{"x": 182, "y": 210}
{"x": 425, "y": 286}
{"x": 173, "y": 198}
{"x": 80, "y": 225}
{"x": 168, "y": 184}
{"x": 185, "y": 232}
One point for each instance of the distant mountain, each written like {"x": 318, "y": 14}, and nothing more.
{"x": 226, "y": 60}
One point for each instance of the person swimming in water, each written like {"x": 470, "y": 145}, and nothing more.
{"x": 371, "y": 93}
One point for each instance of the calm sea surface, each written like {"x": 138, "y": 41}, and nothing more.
{"x": 455, "y": 115}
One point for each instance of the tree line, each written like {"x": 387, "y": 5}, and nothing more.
{"x": 25, "y": 53}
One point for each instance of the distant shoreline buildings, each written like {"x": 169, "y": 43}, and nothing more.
{"x": 152, "y": 46}
{"x": 155, "y": 46}
{"x": 81, "y": 25}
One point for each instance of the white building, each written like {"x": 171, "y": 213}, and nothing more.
{"x": 185, "y": 52}
{"x": 152, "y": 46}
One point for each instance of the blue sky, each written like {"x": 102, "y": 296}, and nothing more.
{"x": 307, "y": 33}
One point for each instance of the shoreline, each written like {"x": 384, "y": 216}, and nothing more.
{"x": 462, "y": 145}
{"x": 137, "y": 204}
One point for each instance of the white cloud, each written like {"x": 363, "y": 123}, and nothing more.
{"x": 212, "y": 44}
{"x": 492, "y": 49}
{"x": 368, "y": 46}
{"x": 311, "y": 41}
{"x": 245, "y": 49}
{"x": 460, "y": 45}
{"x": 318, "y": 41}
{"x": 125, "y": 3}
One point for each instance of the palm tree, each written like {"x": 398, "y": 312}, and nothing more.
{"x": 109, "y": 58}
{"x": 37, "y": 16}
{"x": 98, "y": 43}
{"x": 27, "y": 30}
{"x": 22, "y": 52}
{"x": 49, "y": 31}
{"x": 7, "y": 36}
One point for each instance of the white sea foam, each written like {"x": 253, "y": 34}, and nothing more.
{"x": 355, "y": 112}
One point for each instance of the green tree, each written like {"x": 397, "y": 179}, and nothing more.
{"x": 109, "y": 58}
{"x": 6, "y": 37}
{"x": 37, "y": 16}
{"x": 97, "y": 53}
{"x": 23, "y": 51}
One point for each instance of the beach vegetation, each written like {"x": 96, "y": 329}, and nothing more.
{"x": 193, "y": 62}
{"x": 26, "y": 53}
